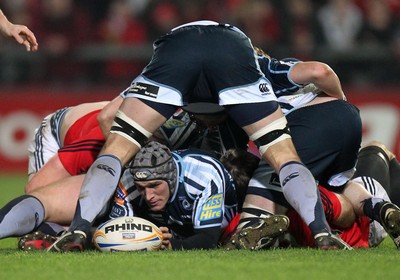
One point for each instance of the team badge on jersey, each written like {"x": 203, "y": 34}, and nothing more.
{"x": 212, "y": 208}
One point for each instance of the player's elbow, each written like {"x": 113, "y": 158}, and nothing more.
{"x": 321, "y": 72}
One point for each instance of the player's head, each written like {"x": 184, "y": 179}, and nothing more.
{"x": 154, "y": 162}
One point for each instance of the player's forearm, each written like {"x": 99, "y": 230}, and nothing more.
{"x": 320, "y": 74}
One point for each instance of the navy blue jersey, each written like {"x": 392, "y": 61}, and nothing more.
{"x": 205, "y": 196}
{"x": 290, "y": 94}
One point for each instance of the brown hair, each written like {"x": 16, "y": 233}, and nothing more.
{"x": 241, "y": 165}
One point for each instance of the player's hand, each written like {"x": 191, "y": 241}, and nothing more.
{"x": 22, "y": 35}
{"x": 167, "y": 236}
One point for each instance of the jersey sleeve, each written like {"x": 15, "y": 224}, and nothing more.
{"x": 211, "y": 178}
{"x": 278, "y": 73}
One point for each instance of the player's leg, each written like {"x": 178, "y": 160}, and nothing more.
{"x": 43, "y": 145}
{"x": 50, "y": 172}
{"x": 20, "y": 216}
{"x": 382, "y": 165}
{"x": 261, "y": 223}
{"x": 373, "y": 163}
{"x": 133, "y": 125}
{"x": 59, "y": 201}
{"x": 171, "y": 73}
{"x": 52, "y": 203}
{"x": 298, "y": 184}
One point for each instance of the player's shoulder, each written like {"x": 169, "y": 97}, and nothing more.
{"x": 194, "y": 156}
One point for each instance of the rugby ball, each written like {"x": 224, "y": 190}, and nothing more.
{"x": 127, "y": 234}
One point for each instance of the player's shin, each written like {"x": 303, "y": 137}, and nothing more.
{"x": 300, "y": 190}
{"x": 20, "y": 216}
{"x": 97, "y": 189}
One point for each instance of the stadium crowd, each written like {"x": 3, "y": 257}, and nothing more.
{"x": 110, "y": 41}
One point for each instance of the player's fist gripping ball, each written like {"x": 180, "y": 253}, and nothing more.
{"x": 127, "y": 234}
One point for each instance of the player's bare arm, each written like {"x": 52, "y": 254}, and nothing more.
{"x": 320, "y": 74}
{"x": 107, "y": 114}
{"x": 20, "y": 33}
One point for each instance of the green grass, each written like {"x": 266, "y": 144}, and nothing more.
{"x": 377, "y": 263}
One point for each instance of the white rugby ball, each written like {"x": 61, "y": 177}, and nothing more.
{"x": 127, "y": 234}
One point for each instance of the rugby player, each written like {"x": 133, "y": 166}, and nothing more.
{"x": 373, "y": 176}
{"x": 61, "y": 150}
{"x": 220, "y": 59}
{"x": 20, "y": 33}
{"x": 187, "y": 193}
{"x": 327, "y": 136}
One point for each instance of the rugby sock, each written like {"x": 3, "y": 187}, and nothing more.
{"x": 20, "y": 216}
{"x": 99, "y": 185}
{"x": 300, "y": 190}
{"x": 372, "y": 207}
{"x": 52, "y": 229}
{"x": 373, "y": 162}
{"x": 394, "y": 193}
{"x": 250, "y": 215}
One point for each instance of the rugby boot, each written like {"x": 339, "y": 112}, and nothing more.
{"x": 330, "y": 241}
{"x": 261, "y": 235}
{"x": 35, "y": 241}
{"x": 74, "y": 241}
{"x": 390, "y": 220}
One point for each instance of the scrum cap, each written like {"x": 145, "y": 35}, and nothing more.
{"x": 154, "y": 162}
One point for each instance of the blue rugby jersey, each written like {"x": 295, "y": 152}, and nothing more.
{"x": 290, "y": 94}
{"x": 205, "y": 196}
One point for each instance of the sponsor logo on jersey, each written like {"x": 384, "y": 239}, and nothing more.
{"x": 144, "y": 89}
{"x": 264, "y": 88}
{"x": 174, "y": 123}
{"x": 212, "y": 208}
{"x": 106, "y": 168}
{"x": 117, "y": 211}
{"x": 290, "y": 177}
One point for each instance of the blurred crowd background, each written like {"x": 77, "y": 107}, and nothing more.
{"x": 94, "y": 42}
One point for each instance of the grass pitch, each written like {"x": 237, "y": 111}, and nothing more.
{"x": 378, "y": 263}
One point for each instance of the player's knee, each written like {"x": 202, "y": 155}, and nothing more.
{"x": 347, "y": 215}
{"x": 381, "y": 146}
{"x": 129, "y": 129}
{"x": 271, "y": 134}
